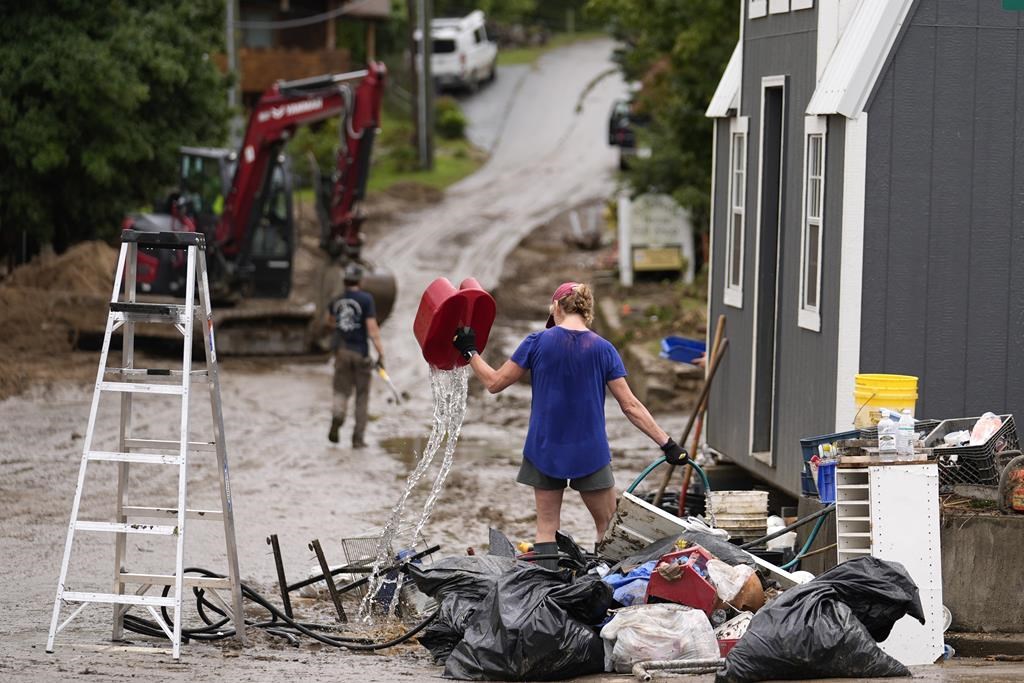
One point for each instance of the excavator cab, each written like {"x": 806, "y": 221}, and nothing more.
{"x": 265, "y": 270}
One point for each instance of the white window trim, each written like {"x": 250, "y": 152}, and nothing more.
{"x": 733, "y": 295}
{"x": 758, "y": 8}
{"x": 778, "y": 6}
{"x": 801, "y": 4}
{"x": 809, "y": 317}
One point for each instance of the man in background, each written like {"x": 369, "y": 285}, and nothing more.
{"x": 354, "y": 318}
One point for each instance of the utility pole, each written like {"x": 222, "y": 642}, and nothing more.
{"x": 235, "y": 130}
{"x": 425, "y": 87}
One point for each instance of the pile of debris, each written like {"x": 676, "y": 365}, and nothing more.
{"x": 693, "y": 603}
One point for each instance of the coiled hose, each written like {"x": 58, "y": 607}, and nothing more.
{"x": 279, "y": 624}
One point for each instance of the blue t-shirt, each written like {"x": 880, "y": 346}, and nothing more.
{"x": 569, "y": 371}
{"x": 350, "y": 311}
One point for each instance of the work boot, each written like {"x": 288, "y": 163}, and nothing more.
{"x": 357, "y": 442}
{"x": 336, "y": 423}
{"x": 546, "y": 549}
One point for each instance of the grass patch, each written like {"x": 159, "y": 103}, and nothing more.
{"x": 529, "y": 55}
{"x": 453, "y": 161}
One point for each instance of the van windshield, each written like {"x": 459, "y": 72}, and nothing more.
{"x": 443, "y": 47}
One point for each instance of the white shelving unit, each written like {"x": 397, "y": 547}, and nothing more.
{"x": 891, "y": 511}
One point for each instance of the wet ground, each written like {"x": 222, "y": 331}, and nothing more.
{"x": 547, "y": 155}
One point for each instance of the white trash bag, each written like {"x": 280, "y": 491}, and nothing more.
{"x": 658, "y": 631}
{"x": 728, "y": 580}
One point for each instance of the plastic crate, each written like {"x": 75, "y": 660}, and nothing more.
{"x": 691, "y": 588}
{"x": 827, "y": 482}
{"x": 971, "y": 464}
{"x": 809, "y": 446}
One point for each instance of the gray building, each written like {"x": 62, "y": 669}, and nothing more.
{"x": 867, "y": 216}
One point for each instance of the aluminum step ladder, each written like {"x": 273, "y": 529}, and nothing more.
{"x": 130, "y": 589}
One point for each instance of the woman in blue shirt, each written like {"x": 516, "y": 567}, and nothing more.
{"x": 567, "y": 443}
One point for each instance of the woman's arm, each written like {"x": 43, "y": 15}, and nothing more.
{"x": 633, "y": 409}
{"x": 495, "y": 380}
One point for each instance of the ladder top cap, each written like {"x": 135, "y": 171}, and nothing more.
{"x": 165, "y": 240}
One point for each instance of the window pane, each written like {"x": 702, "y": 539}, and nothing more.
{"x": 815, "y": 153}
{"x": 737, "y": 249}
{"x": 814, "y": 198}
{"x": 811, "y": 274}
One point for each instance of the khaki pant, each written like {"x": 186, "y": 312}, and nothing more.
{"x": 352, "y": 371}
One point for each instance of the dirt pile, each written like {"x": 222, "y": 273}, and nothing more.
{"x": 45, "y": 305}
{"x": 86, "y": 268}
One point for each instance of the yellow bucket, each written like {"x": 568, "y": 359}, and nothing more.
{"x": 873, "y": 392}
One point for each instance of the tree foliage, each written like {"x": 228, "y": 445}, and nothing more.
{"x": 678, "y": 50}
{"x": 95, "y": 100}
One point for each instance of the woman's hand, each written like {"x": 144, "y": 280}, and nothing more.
{"x": 674, "y": 453}
{"x": 465, "y": 342}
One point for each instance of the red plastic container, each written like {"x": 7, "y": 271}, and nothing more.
{"x": 443, "y": 309}
{"x": 725, "y": 645}
{"x": 690, "y": 589}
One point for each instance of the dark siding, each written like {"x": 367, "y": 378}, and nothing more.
{"x": 944, "y": 240}
{"x": 784, "y": 44}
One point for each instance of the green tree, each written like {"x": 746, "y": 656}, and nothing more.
{"x": 678, "y": 50}
{"x": 95, "y": 100}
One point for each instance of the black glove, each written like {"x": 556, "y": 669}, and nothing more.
{"x": 674, "y": 453}
{"x": 380, "y": 362}
{"x": 465, "y": 342}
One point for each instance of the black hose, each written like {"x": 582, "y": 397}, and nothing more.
{"x": 280, "y": 624}
{"x": 798, "y": 523}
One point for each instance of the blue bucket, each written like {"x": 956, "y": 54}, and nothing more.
{"x": 827, "y": 482}
{"x": 682, "y": 350}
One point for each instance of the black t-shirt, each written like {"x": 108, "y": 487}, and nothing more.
{"x": 350, "y": 311}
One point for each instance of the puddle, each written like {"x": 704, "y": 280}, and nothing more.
{"x": 405, "y": 448}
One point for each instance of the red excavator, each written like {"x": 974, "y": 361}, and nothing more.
{"x": 242, "y": 202}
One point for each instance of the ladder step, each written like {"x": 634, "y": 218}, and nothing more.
{"x": 157, "y": 512}
{"x": 168, "y": 580}
{"x": 150, "y": 373}
{"x": 115, "y": 599}
{"x": 170, "y": 445}
{"x": 165, "y": 240}
{"x": 125, "y": 311}
{"x": 139, "y": 387}
{"x": 146, "y": 458}
{"x": 121, "y": 528}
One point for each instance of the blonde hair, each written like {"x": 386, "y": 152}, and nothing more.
{"x": 580, "y": 301}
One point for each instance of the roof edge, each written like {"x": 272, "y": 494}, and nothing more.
{"x": 727, "y": 93}
{"x": 859, "y": 57}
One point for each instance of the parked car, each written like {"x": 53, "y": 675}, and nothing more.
{"x": 462, "y": 56}
{"x": 623, "y": 123}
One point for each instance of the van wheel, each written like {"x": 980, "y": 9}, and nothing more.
{"x": 473, "y": 83}
{"x": 493, "y": 72}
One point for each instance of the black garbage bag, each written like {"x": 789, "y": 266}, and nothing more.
{"x": 532, "y": 623}
{"x": 828, "y": 627}
{"x": 458, "y": 584}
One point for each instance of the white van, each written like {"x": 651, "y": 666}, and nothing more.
{"x": 461, "y": 54}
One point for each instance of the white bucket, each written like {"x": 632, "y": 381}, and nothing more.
{"x": 739, "y": 503}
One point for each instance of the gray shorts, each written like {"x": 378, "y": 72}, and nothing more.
{"x": 531, "y": 476}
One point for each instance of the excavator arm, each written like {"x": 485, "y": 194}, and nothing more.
{"x": 281, "y": 110}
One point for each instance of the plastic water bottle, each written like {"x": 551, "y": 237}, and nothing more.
{"x": 887, "y": 434}
{"x": 905, "y": 436}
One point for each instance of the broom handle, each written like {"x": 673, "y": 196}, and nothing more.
{"x": 701, "y": 402}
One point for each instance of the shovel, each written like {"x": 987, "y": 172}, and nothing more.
{"x": 391, "y": 385}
